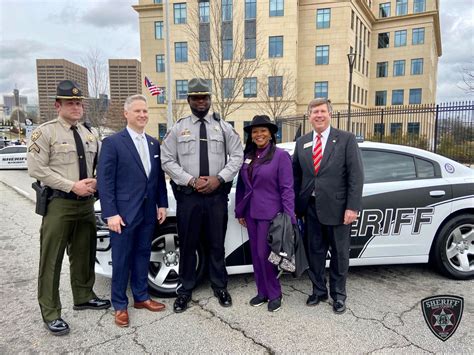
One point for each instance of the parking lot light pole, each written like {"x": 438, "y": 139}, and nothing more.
{"x": 351, "y": 58}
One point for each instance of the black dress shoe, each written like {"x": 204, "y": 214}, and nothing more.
{"x": 95, "y": 303}
{"x": 224, "y": 298}
{"x": 339, "y": 307}
{"x": 181, "y": 303}
{"x": 314, "y": 299}
{"x": 57, "y": 327}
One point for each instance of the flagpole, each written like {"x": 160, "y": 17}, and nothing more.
{"x": 169, "y": 87}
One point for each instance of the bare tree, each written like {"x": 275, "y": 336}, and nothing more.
{"x": 468, "y": 79}
{"x": 97, "y": 72}
{"x": 276, "y": 90}
{"x": 178, "y": 110}
{"x": 217, "y": 45}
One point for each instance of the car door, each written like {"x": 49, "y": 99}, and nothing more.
{"x": 403, "y": 197}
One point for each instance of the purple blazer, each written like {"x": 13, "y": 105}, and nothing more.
{"x": 270, "y": 191}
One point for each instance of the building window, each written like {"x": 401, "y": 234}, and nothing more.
{"x": 397, "y": 97}
{"x": 402, "y": 7}
{"x": 204, "y": 12}
{"x": 160, "y": 99}
{"x": 395, "y": 128}
{"x": 161, "y": 130}
{"x": 321, "y": 89}
{"x": 275, "y": 46}
{"x": 157, "y": 1}
{"x": 384, "y": 40}
{"x": 250, "y": 9}
{"x": 179, "y": 13}
{"x": 160, "y": 63}
{"x": 398, "y": 67}
{"x": 400, "y": 38}
{"x": 181, "y": 89}
{"x": 418, "y": 36}
{"x": 352, "y": 19}
{"x": 418, "y": 6}
{"x": 379, "y": 128}
{"x": 181, "y": 52}
{"x": 250, "y": 48}
{"x": 417, "y": 66}
{"x": 250, "y": 87}
{"x": 381, "y": 98}
{"x": 228, "y": 88}
{"x": 384, "y": 10}
{"x": 277, "y": 8}
{"x": 322, "y": 55}
{"x": 323, "y": 18}
{"x": 227, "y": 49}
{"x": 226, "y": 10}
{"x": 382, "y": 70}
{"x": 158, "y": 29}
{"x": 415, "y": 97}
{"x": 413, "y": 128}
{"x": 204, "y": 51}
{"x": 275, "y": 86}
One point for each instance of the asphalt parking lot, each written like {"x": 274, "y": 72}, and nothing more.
{"x": 383, "y": 316}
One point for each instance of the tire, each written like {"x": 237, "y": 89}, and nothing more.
{"x": 454, "y": 248}
{"x": 164, "y": 262}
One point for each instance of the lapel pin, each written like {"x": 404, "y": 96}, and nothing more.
{"x": 334, "y": 141}
{"x": 151, "y": 143}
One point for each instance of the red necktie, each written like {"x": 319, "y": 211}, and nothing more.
{"x": 317, "y": 153}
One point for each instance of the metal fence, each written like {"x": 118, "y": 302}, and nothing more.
{"x": 446, "y": 129}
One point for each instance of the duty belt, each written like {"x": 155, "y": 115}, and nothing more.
{"x": 69, "y": 196}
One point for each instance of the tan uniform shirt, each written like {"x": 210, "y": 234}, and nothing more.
{"x": 52, "y": 155}
{"x": 180, "y": 149}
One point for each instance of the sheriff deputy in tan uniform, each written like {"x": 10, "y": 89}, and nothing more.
{"x": 194, "y": 154}
{"x": 61, "y": 154}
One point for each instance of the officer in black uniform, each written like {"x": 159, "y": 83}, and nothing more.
{"x": 194, "y": 154}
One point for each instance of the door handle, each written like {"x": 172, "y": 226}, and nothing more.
{"x": 437, "y": 193}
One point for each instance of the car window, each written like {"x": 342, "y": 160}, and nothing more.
{"x": 380, "y": 166}
{"x": 8, "y": 150}
{"x": 425, "y": 168}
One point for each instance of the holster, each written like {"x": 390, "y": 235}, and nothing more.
{"x": 42, "y": 198}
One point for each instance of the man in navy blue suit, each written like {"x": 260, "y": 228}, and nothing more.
{"x": 133, "y": 197}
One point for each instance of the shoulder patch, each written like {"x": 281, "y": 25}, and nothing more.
{"x": 35, "y": 135}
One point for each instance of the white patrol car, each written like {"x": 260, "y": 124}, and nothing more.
{"x": 13, "y": 157}
{"x": 417, "y": 207}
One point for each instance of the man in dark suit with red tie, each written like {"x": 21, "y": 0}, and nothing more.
{"x": 133, "y": 197}
{"x": 328, "y": 177}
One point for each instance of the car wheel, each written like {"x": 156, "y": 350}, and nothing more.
{"x": 454, "y": 248}
{"x": 164, "y": 262}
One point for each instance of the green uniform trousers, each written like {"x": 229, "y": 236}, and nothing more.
{"x": 68, "y": 224}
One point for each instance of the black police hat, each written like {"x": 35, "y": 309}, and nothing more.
{"x": 68, "y": 90}
{"x": 198, "y": 86}
{"x": 261, "y": 121}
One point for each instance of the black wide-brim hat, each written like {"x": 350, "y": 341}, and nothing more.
{"x": 261, "y": 121}
{"x": 68, "y": 90}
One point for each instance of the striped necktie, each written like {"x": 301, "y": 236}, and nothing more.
{"x": 317, "y": 153}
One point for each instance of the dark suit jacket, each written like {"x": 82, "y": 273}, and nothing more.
{"x": 339, "y": 182}
{"x": 269, "y": 192}
{"x": 122, "y": 182}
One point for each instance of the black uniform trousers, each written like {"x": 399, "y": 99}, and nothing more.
{"x": 206, "y": 216}
{"x": 319, "y": 238}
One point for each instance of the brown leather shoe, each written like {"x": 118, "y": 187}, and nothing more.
{"x": 121, "y": 318}
{"x": 150, "y": 305}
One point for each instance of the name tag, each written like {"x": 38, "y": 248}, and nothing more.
{"x": 307, "y": 145}
{"x": 247, "y": 161}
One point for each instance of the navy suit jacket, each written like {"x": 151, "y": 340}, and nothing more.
{"x": 339, "y": 181}
{"x": 122, "y": 182}
{"x": 269, "y": 192}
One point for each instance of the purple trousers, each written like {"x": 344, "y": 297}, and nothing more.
{"x": 265, "y": 272}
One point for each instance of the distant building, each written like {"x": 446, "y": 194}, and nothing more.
{"x": 301, "y": 49}
{"x": 49, "y": 73}
{"x": 9, "y": 103}
{"x": 125, "y": 79}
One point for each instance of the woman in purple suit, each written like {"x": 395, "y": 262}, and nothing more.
{"x": 264, "y": 188}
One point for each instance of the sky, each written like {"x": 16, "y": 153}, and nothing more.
{"x": 47, "y": 29}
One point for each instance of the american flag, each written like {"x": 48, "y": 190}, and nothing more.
{"x": 154, "y": 90}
